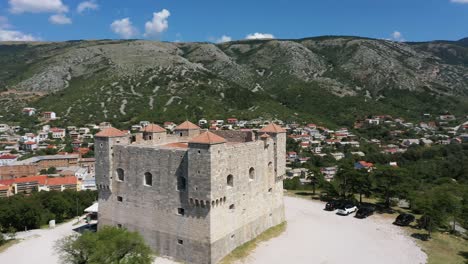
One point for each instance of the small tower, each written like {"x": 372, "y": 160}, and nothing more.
{"x": 187, "y": 129}
{"x": 200, "y": 153}
{"x": 278, "y": 134}
{"x": 154, "y": 133}
{"x": 103, "y": 148}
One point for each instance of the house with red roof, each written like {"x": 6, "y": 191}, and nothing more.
{"x": 7, "y": 159}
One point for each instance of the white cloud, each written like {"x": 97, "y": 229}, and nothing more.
{"x": 37, "y": 6}
{"x": 87, "y": 5}
{"x": 59, "y": 19}
{"x": 397, "y": 36}
{"x": 260, "y": 36}
{"x": 459, "y": 1}
{"x": 12, "y": 35}
{"x": 124, "y": 28}
{"x": 159, "y": 23}
{"x": 223, "y": 39}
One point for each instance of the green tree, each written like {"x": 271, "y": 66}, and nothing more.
{"x": 109, "y": 245}
{"x": 361, "y": 183}
{"x": 388, "y": 182}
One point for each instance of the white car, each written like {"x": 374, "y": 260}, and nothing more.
{"x": 347, "y": 209}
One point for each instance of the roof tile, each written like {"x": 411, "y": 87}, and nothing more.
{"x": 110, "y": 132}
{"x": 273, "y": 128}
{"x": 187, "y": 125}
{"x": 153, "y": 128}
{"x": 208, "y": 138}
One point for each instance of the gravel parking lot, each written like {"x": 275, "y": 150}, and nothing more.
{"x": 312, "y": 236}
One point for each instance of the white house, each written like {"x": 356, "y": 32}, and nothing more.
{"x": 7, "y": 159}
{"x": 58, "y": 133}
{"x": 4, "y": 128}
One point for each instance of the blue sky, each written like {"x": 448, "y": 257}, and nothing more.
{"x": 218, "y": 20}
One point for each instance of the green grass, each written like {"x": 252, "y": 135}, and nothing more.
{"x": 443, "y": 248}
{"x": 244, "y": 250}
{"x": 8, "y": 244}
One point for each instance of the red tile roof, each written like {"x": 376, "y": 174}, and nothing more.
{"x": 61, "y": 180}
{"x": 7, "y": 156}
{"x": 153, "y": 128}
{"x": 207, "y": 138}
{"x": 264, "y": 136}
{"x": 4, "y": 187}
{"x": 273, "y": 128}
{"x": 110, "y": 132}
{"x": 187, "y": 125}
{"x": 177, "y": 145}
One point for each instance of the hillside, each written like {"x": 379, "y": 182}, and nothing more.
{"x": 327, "y": 79}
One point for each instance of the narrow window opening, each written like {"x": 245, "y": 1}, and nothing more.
{"x": 120, "y": 174}
{"x": 251, "y": 174}
{"x": 180, "y": 134}
{"x": 119, "y": 198}
{"x": 180, "y": 211}
{"x": 119, "y": 225}
{"x": 232, "y": 207}
{"x": 230, "y": 181}
{"x": 180, "y": 241}
{"x": 148, "y": 179}
{"x": 269, "y": 190}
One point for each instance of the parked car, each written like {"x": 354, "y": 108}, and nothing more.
{"x": 364, "y": 212}
{"x": 404, "y": 219}
{"x": 347, "y": 209}
{"x": 333, "y": 205}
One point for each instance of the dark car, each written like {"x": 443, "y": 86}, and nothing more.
{"x": 333, "y": 205}
{"x": 364, "y": 212}
{"x": 404, "y": 219}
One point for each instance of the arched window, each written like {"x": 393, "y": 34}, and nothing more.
{"x": 181, "y": 183}
{"x": 230, "y": 181}
{"x": 251, "y": 173}
{"x": 148, "y": 179}
{"x": 120, "y": 174}
{"x": 270, "y": 167}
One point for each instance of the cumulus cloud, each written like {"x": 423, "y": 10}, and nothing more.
{"x": 159, "y": 23}
{"x": 12, "y": 35}
{"x": 223, "y": 39}
{"x": 124, "y": 28}
{"x": 459, "y": 1}
{"x": 37, "y": 6}
{"x": 260, "y": 36}
{"x": 397, "y": 36}
{"x": 60, "y": 19}
{"x": 87, "y": 5}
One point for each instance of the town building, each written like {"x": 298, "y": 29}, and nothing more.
{"x": 193, "y": 195}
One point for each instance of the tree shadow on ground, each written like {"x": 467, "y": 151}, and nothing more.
{"x": 464, "y": 254}
{"x": 83, "y": 228}
{"x": 422, "y": 237}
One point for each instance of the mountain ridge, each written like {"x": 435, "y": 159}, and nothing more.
{"x": 126, "y": 80}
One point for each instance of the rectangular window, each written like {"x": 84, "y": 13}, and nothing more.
{"x": 119, "y": 225}
{"x": 180, "y": 241}
{"x": 119, "y": 198}
{"x": 180, "y": 211}
{"x": 232, "y": 207}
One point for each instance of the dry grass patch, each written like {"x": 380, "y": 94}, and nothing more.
{"x": 8, "y": 244}
{"x": 443, "y": 248}
{"x": 244, "y": 250}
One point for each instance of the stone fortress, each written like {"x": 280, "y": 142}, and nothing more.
{"x": 194, "y": 195}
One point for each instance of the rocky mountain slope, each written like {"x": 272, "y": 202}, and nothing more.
{"x": 327, "y": 78}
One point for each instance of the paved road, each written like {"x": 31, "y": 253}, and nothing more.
{"x": 312, "y": 236}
